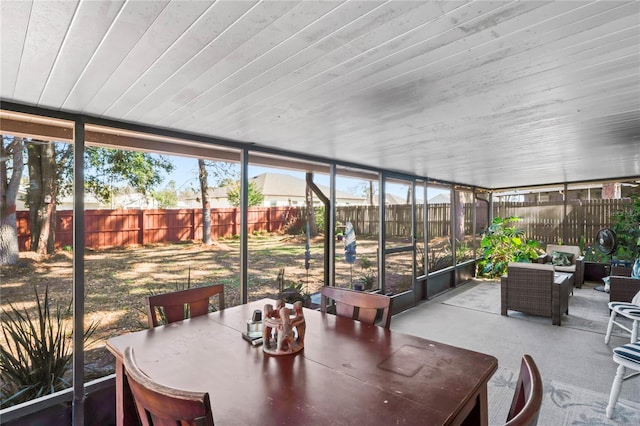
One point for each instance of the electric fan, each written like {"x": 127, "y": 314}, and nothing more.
{"x": 606, "y": 241}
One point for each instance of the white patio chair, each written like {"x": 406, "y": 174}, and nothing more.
{"x": 626, "y": 356}
{"x": 627, "y": 310}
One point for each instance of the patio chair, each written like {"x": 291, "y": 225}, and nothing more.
{"x": 527, "y": 399}
{"x": 626, "y": 356}
{"x": 627, "y": 310}
{"x": 535, "y": 289}
{"x": 358, "y": 305}
{"x": 622, "y": 284}
{"x": 161, "y": 405}
{"x": 173, "y": 304}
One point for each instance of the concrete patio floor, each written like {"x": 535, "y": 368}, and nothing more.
{"x": 564, "y": 354}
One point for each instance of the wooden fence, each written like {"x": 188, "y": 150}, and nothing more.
{"x": 109, "y": 228}
{"x": 398, "y": 219}
{"x": 549, "y": 223}
{"x": 545, "y": 222}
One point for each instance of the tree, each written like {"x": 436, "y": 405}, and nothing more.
{"x": 11, "y": 167}
{"x": 228, "y": 175}
{"x": 167, "y": 197}
{"x": 220, "y": 171}
{"x": 254, "y": 196}
{"x": 368, "y": 191}
{"x": 203, "y": 176}
{"x": 311, "y": 211}
{"x": 458, "y": 203}
{"x": 50, "y": 174}
{"x": 140, "y": 170}
{"x": 50, "y": 170}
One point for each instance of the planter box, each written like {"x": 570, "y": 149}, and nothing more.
{"x": 56, "y": 409}
{"x": 594, "y": 271}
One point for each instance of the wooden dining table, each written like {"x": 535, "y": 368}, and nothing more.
{"x": 347, "y": 373}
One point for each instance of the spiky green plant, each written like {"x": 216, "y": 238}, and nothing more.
{"x": 38, "y": 353}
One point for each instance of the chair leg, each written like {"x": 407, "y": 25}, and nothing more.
{"x": 612, "y": 318}
{"x": 634, "y": 332}
{"x": 615, "y": 390}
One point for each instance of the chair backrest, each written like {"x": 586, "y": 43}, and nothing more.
{"x": 173, "y": 304}
{"x": 621, "y": 271}
{"x": 358, "y": 305}
{"x": 536, "y": 275}
{"x": 527, "y": 398}
{"x": 160, "y": 405}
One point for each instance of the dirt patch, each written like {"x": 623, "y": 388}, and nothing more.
{"x": 118, "y": 279}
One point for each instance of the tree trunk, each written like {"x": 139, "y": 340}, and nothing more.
{"x": 206, "y": 208}
{"x": 311, "y": 212}
{"x": 9, "y": 250}
{"x": 42, "y": 196}
{"x": 370, "y": 192}
{"x": 459, "y": 211}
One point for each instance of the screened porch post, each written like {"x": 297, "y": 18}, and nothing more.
{"x": 78, "y": 272}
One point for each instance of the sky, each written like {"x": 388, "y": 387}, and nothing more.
{"x": 185, "y": 176}
{"x": 185, "y": 173}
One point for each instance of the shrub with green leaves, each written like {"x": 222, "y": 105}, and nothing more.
{"x": 38, "y": 352}
{"x": 369, "y": 278}
{"x": 501, "y": 244}
{"x": 627, "y": 230}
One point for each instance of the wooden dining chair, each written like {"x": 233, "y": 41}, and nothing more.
{"x": 160, "y": 405}
{"x": 527, "y": 399}
{"x": 358, "y": 305}
{"x": 179, "y": 305}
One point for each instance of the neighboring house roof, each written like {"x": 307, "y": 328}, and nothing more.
{"x": 66, "y": 203}
{"x": 390, "y": 199}
{"x": 283, "y": 187}
{"x": 279, "y": 185}
{"x": 440, "y": 199}
{"x": 394, "y": 199}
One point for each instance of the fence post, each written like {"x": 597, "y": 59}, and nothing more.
{"x": 193, "y": 225}
{"x": 142, "y": 219}
{"x": 269, "y": 219}
{"x": 235, "y": 222}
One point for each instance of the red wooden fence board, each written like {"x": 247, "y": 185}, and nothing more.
{"x": 112, "y": 228}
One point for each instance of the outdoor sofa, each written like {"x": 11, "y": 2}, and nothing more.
{"x": 572, "y": 263}
{"x": 535, "y": 289}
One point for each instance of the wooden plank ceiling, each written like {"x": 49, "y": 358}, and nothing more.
{"x": 492, "y": 94}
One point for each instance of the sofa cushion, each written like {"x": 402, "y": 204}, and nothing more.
{"x": 561, "y": 258}
{"x": 571, "y": 269}
{"x": 575, "y": 250}
{"x": 525, "y": 265}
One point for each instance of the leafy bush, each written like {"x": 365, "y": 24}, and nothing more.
{"x": 369, "y": 278}
{"x": 627, "y": 230}
{"x": 38, "y": 352}
{"x": 319, "y": 216}
{"x": 463, "y": 251}
{"x": 592, "y": 254}
{"x": 502, "y": 244}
